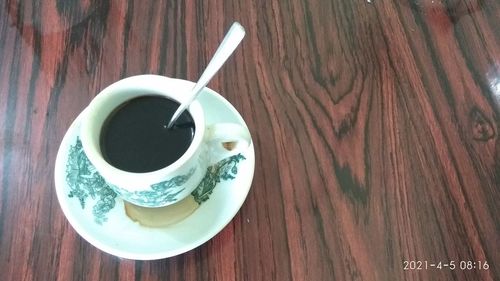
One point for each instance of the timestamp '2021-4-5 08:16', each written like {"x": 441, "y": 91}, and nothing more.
{"x": 451, "y": 265}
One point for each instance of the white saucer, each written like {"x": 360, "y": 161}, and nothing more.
{"x": 112, "y": 231}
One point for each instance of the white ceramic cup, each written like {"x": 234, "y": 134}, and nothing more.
{"x": 170, "y": 184}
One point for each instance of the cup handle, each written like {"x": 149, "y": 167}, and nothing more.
{"x": 225, "y": 140}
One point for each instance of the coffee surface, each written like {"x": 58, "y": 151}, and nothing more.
{"x": 135, "y": 137}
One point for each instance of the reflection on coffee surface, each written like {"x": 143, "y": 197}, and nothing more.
{"x": 135, "y": 137}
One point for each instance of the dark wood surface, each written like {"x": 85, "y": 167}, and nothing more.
{"x": 376, "y": 127}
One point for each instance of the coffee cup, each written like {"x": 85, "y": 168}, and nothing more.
{"x": 110, "y": 129}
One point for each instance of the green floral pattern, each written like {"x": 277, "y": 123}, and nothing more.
{"x": 84, "y": 181}
{"x": 225, "y": 169}
{"x": 160, "y": 193}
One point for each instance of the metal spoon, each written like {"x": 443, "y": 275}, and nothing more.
{"x": 226, "y": 48}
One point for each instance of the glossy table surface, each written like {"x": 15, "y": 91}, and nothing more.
{"x": 375, "y": 125}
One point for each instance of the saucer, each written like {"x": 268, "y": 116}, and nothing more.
{"x": 98, "y": 214}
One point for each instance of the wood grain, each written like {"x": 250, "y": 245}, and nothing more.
{"x": 375, "y": 125}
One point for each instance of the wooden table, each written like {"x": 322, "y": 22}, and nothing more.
{"x": 375, "y": 123}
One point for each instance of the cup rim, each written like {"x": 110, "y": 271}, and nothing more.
{"x": 148, "y": 84}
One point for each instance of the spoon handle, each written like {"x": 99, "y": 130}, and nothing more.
{"x": 226, "y": 48}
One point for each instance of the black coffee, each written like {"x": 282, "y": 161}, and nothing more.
{"x": 135, "y": 137}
